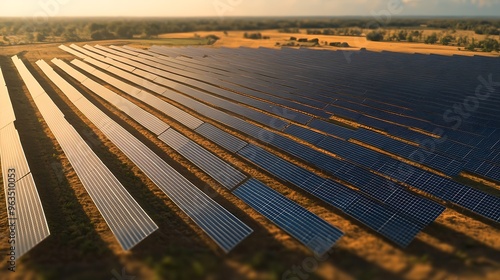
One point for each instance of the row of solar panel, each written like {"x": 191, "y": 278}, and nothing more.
{"x": 360, "y": 218}
{"x": 230, "y": 177}
{"x": 19, "y": 185}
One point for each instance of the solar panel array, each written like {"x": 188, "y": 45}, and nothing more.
{"x": 317, "y": 114}
{"x": 19, "y": 186}
{"x": 224, "y": 173}
{"x": 130, "y": 224}
{"x": 438, "y": 159}
{"x": 412, "y": 232}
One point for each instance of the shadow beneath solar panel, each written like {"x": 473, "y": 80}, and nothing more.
{"x": 71, "y": 229}
{"x": 466, "y": 252}
{"x": 475, "y": 216}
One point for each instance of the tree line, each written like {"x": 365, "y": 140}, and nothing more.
{"x": 83, "y": 29}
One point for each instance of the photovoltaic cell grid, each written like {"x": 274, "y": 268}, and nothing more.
{"x": 224, "y": 173}
{"x": 330, "y": 132}
{"x": 129, "y": 224}
{"x": 447, "y": 165}
{"x": 308, "y": 228}
{"x": 218, "y": 169}
{"x": 28, "y": 214}
{"x": 223, "y": 227}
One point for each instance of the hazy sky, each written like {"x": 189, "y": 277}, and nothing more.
{"x": 217, "y": 8}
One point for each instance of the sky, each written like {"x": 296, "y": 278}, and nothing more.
{"x": 221, "y": 8}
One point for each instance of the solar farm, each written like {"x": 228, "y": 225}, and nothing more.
{"x": 252, "y": 161}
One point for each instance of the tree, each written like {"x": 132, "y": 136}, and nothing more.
{"x": 432, "y": 39}
{"x": 102, "y": 35}
{"x": 70, "y": 35}
{"x": 40, "y": 37}
{"x": 375, "y": 36}
{"x": 489, "y": 45}
{"x": 124, "y": 32}
{"x": 446, "y": 40}
{"x": 152, "y": 30}
{"x": 212, "y": 39}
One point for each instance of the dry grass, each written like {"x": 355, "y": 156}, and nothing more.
{"x": 235, "y": 39}
{"x": 82, "y": 247}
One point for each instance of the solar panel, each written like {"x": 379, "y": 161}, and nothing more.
{"x": 73, "y": 52}
{"x": 331, "y": 128}
{"x": 146, "y": 119}
{"x": 223, "y": 227}
{"x": 390, "y": 225}
{"x": 31, "y": 224}
{"x": 221, "y": 138}
{"x": 7, "y": 115}
{"x": 86, "y": 52}
{"x": 309, "y": 229}
{"x": 221, "y": 171}
{"x": 305, "y": 134}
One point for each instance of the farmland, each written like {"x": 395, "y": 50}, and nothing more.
{"x": 340, "y": 138}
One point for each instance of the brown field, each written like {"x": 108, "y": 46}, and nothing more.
{"x": 235, "y": 39}
{"x": 458, "y": 245}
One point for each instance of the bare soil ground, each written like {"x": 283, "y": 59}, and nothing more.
{"x": 458, "y": 245}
